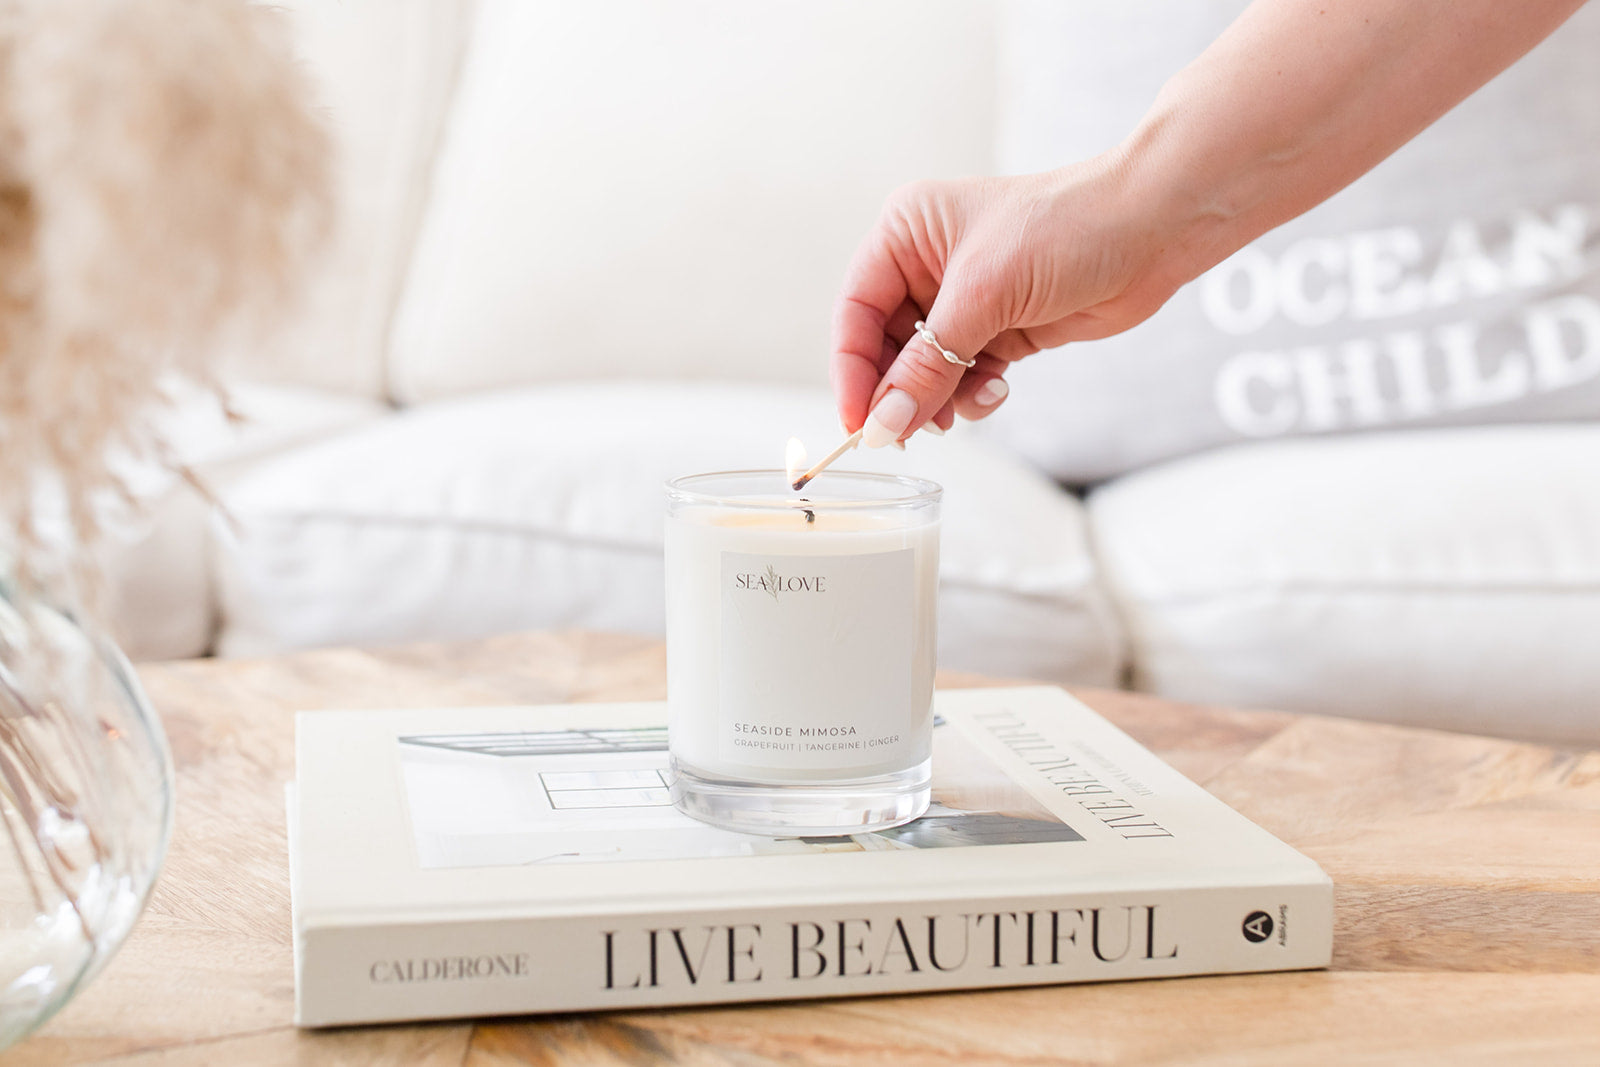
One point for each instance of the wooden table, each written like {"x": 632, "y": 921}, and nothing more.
{"x": 1467, "y": 872}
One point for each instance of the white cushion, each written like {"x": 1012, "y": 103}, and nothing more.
{"x": 160, "y": 603}
{"x": 543, "y": 508}
{"x": 635, "y": 188}
{"x": 1444, "y": 578}
{"x": 382, "y": 71}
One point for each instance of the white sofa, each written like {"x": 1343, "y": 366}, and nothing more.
{"x": 590, "y": 246}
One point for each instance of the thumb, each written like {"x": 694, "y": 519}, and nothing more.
{"x": 922, "y": 378}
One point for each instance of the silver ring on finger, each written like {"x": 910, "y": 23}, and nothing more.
{"x": 949, "y": 356}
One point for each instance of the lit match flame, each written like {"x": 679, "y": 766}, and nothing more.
{"x": 794, "y": 459}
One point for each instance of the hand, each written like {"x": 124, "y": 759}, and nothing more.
{"x": 999, "y": 268}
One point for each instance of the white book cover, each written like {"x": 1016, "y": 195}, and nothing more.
{"x": 457, "y": 862}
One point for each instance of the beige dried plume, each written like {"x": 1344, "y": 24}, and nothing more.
{"x": 163, "y": 180}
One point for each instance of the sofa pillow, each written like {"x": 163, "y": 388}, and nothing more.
{"x": 543, "y": 507}
{"x": 159, "y": 600}
{"x": 635, "y": 188}
{"x": 383, "y": 71}
{"x": 1458, "y": 282}
{"x": 1446, "y": 578}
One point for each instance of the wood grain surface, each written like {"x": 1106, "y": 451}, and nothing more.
{"x": 1467, "y": 928}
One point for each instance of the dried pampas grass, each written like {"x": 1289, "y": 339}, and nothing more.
{"x": 163, "y": 179}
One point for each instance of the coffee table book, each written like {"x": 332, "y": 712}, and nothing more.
{"x": 487, "y": 861}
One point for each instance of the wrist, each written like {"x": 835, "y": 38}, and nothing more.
{"x": 1203, "y": 194}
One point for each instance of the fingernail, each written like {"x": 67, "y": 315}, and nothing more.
{"x": 991, "y": 392}
{"x": 889, "y": 419}
{"x": 934, "y": 428}
{"x": 901, "y": 445}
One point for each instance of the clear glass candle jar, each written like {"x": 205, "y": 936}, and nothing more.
{"x": 800, "y": 649}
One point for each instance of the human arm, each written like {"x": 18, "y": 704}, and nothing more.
{"x": 1294, "y": 101}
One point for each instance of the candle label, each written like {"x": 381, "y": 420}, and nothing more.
{"x": 817, "y": 659}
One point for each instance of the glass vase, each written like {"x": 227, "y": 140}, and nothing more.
{"x": 86, "y": 799}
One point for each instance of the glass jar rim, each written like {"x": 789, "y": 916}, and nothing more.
{"x": 915, "y": 491}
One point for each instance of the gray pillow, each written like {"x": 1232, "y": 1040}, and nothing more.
{"x": 1457, "y": 283}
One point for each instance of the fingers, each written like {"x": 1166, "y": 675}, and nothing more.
{"x": 886, "y": 287}
{"x": 874, "y": 289}
{"x": 891, "y": 419}
{"x": 974, "y": 392}
{"x": 922, "y": 378}
{"x": 982, "y": 389}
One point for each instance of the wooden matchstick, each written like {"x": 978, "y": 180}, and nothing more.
{"x": 849, "y": 443}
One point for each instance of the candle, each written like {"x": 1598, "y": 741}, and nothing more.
{"x": 800, "y": 649}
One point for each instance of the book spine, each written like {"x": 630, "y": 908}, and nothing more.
{"x": 393, "y": 971}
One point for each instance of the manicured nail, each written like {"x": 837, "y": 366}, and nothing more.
{"x": 934, "y": 428}
{"x": 991, "y": 392}
{"x": 889, "y": 419}
{"x": 901, "y": 445}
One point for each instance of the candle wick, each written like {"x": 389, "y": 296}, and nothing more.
{"x": 811, "y": 516}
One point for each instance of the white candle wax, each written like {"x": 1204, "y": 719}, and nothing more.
{"x": 801, "y": 650}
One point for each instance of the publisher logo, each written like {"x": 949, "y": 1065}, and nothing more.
{"x": 773, "y": 584}
{"x": 1257, "y": 927}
